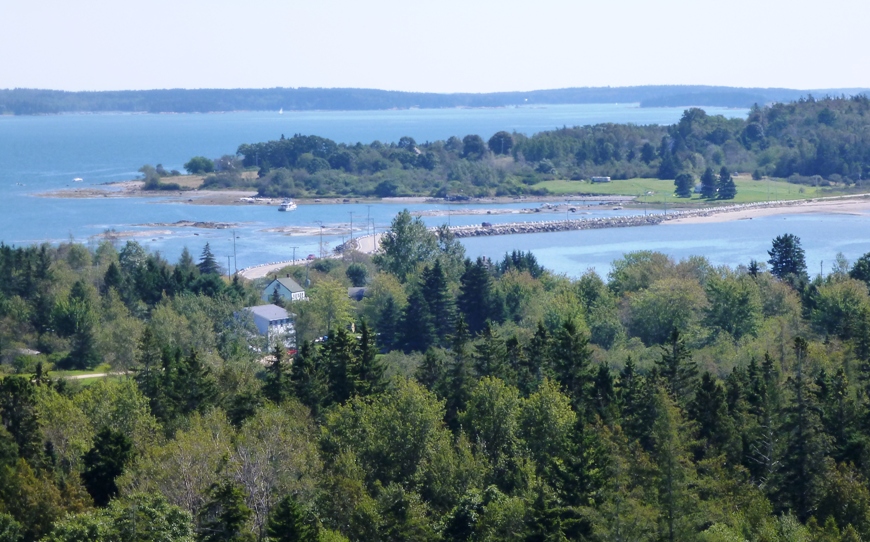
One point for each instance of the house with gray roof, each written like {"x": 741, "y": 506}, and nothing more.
{"x": 288, "y": 289}
{"x": 274, "y": 322}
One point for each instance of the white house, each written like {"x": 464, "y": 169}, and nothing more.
{"x": 600, "y": 179}
{"x": 274, "y": 322}
{"x": 288, "y": 289}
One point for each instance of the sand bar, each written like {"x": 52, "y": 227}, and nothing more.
{"x": 855, "y": 205}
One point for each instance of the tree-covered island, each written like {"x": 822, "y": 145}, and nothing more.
{"x": 811, "y": 142}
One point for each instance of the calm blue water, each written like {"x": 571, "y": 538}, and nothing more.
{"x": 45, "y": 153}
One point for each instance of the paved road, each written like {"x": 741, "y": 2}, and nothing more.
{"x": 367, "y": 244}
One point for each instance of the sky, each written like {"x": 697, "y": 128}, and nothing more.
{"x": 443, "y": 46}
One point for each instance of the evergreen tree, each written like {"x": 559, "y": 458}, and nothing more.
{"x": 275, "y": 297}
{"x": 193, "y": 387}
{"x": 636, "y": 399}
{"x": 787, "y": 257}
{"x": 430, "y": 373}
{"x": 684, "y": 184}
{"x": 460, "y": 377}
{"x": 477, "y": 301}
{"x": 571, "y": 359}
{"x": 112, "y": 279}
{"x": 417, "y": 329}
{"x": 709, "y": 410}
{"x": 442, "y": 309}
{"x": 538, "y": 356}
{"x": 803, "y": 466}
{"x": 490, "y": 357}
{"x": 839, "y": 414}
{"x": 290, "y": 522}
{"x": 604, "y": 394}
{"x": 708, "y": 183}
{"x": 674, "y": 471}
{"x": 104, "y": 462}
{"x": 225, "y": 516}
{"x": 307, "y": 378}
{"x": 676, "y": 368}
{"x": 727, "y": 188}
{"x": 388, "y": 325}
{"x": 369, "y": 369}
{"x": 19, "y": 415}
{"x": 341, "y": 365}
{"x": 277, "y": 386}
{"x": 207, "y": 263}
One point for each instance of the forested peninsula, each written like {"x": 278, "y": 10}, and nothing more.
{"x": 458, "y": 400}
{"x": 814, "y": 142}
{"x": 23, "y": 101}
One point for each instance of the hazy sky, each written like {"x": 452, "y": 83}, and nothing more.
{"x": 440, "y": 46}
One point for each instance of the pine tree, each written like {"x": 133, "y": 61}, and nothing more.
{"x": 207, "y": 263}
{"x": 431, "y": 371}
{"x": 275, "y": 297}
{"x": 460, "y": 377}
{"x": 476, "y": 299}
{"x": 839, "y": 416}
{"x": 676, "y": 368}
{"x": 290, "y": 522}
{"x": 604, "y": 394}
{"x": 637, "y": 405}
{"x": 369, "y": 369}
{"x": 193, "y": 386}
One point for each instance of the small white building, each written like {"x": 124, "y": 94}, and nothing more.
{"x": 274, "y": 323}
{"x": 288, "y": 289}
{"x": 600, "y": 179}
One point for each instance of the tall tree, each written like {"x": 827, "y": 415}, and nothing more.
{"x": 708, "y": 183}
{"x": 677, "y": 369}
{"x": 308, "y": 379}
{"x": 417, "y": 332}
{"x": 225, "y": 516}
{"x": 290, "y": 522}
{"x": 369, "y": 369}
{"x": 727, "y": 188}
{"x": 406, "y": 245}
{"x": 684, "y": 184}
{"x": 19, "y": 414}
{"x": 207, "y": 263}
{"x": 277, "y": 386}
{"x": 442, "y": 309}
{"x": 104, "y": 463}
{"x": 787, "y": 257}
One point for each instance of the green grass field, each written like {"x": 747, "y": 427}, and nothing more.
{"x": 104, "y": 368}
{"x": 655, "y": 191}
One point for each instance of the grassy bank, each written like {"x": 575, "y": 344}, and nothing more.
{"x": 656, "y": 191}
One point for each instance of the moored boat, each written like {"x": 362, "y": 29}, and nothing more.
{"x": 287, "y": 205}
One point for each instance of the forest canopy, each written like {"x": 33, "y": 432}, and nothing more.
{"x": 459, "y": 399}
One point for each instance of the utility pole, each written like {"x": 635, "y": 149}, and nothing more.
{"x": 235, "y": 261}
{"x": 294, "y": 254}
{"x": 228, "y": 266}
{"x": 368, "y": 216}
{"x": 321, "y": 236}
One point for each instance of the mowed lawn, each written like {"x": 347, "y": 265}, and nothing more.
{"x": 660, "y": 191}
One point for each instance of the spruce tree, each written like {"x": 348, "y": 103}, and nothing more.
{"x": 603, "y": 399}
{"x": 442, "y": 309}
{"x": 225, "y": 516}
{"x": 571, "y": 363}
{"x": 104, "y": 463}
{"x": 290, "y": 522}
{"x": 708, "y": 183}
{"x": 431, "y": 371}
{"x": 369, "y": 369}
{"x": 277, "y": 386}
{"x": 676, "y": 368}
{"x": 341, "y": 360}
{"x": 308, "y": 379}
{"x": 490, "y": 354}
{"x": 387, "y": 324}
{"x": 727, "y": 188}
{"x": 803, "y": 465}
{"x": 476, "y": 299}
{"x": 207, "y": 263}
{"x": 417, "y": 330}
{"x": 460, "y": 377}
{"x": 636, "y": 398}
{"x": 709, "y": 410}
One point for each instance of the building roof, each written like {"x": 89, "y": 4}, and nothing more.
{"x": 356, "y": 293}
{"x": 290, "y": 284}
{"x": 270, "y": 312}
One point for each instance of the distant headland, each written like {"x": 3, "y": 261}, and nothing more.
{"x": 22, "y": 101}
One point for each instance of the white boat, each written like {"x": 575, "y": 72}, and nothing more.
{"x": 78, "y": 180}
{"x": 287, "y": 205}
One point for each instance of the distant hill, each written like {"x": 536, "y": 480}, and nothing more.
{"x": 36, "y": 101}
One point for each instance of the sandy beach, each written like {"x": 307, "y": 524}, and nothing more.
{"x": 845, "y": 205}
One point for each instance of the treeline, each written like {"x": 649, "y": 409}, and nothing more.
{"x": 22, "y": 101}
{"x": 819, "y": 142}
{"x": 473, "y": 400}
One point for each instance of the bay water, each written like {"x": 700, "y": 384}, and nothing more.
{"x": 44, "y": 153}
